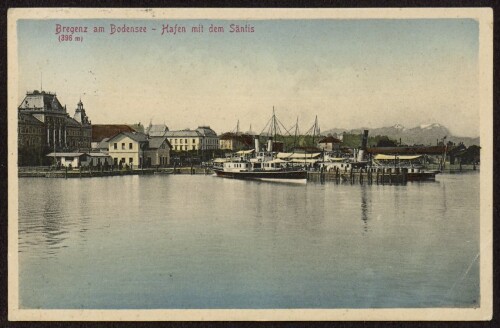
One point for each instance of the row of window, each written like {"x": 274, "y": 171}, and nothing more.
{"x": 30, "y": 130}
{"x": 30, "y": 141}
{"x": 69, "y": 132}
{"x": 184, "y": 147}
{"x": 130, "y": 146}
{"x": 122, "y": 160}
{"x": 174, "y": 141}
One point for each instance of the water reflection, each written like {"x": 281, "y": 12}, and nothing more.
{"x": 244, "y": 244}
{"x": 364, "y": 209}
{"x": 53, "y": 224}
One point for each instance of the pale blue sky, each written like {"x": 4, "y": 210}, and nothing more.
{"x": 350, "y": 73}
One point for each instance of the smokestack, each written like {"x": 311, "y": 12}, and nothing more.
{"x": 361, "y": 154}
{"x": 257, "y": 146}
{"x": 365, "y": 140}
{"x": 270, "y": 145}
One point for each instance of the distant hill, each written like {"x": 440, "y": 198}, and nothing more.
{"x": 426, "y": 134}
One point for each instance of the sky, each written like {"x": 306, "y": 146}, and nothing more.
{"x": 350, "y": 73}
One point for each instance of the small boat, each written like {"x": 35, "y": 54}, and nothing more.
{"x": 417, "y": 174}
{"x": 171, "y": 171}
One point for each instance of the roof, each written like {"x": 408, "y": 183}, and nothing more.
{"x": 243, "y": 138}
{"x": 157, "y": 130}
{"x": 306, "y": 161}
{"x": 202, "y": 131}
{"x": 297, "y": 155}
{"x": 206, "y": 131}
{"x": 330, "y": 139}
{"x": 43, "y": 101}
{"x": 65, "y": 154}
{"x": 136, "y": 136}
{"x": 245, "y": 152}
{"x": 28, "y": 118}
{"x": 415, "y": 150}
{"x": 183, "y": 133}
{"x": 93, "y": 154}
{"x": 156, "y": 142}
{"x": 104, "y": 144}
{"x": 102, "y": 131}
{"x": 72, "y": 122}
{"x": 393, "y": 157}
{"x": 277, "y": 160}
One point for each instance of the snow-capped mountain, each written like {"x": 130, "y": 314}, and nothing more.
{"x": 425, "y": 134}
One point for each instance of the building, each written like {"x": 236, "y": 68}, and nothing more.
{"x": 78, "y": 159}
{"x": 44, "y": 125}
{"x": 329, "y": 143}
{"x": 139, "y": 150}
{"x": 156, "y": 130}
{"x": 203, "y": 138}
{"x": 158, "y": 152}
{"x": 235, "y": 141}
{"x": 102, "y": 132}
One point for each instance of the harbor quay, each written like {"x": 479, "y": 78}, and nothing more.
{"x": 89, "y": 172}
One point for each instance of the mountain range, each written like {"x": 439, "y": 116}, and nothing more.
{"x": 425, "y": 134}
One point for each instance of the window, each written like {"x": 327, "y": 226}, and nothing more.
{"x": 123, "y": 145}
{"x": 185, "y": 140}
{"x": 115, "y": 145}
{"x": 194, "y": 147}
{"x": 130, "y": 160}
{"x": 130, "y": 146}
{"x": 181, "y": 140}
{"x": 115, "y": 160}
{"x": 194, "y": 140}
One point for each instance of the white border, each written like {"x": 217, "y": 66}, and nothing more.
{"x": 484, "y": 312}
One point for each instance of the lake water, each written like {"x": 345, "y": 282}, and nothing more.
{"x": 182, "y": 241}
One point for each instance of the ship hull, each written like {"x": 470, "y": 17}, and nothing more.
{"x": 421, "y": 176}
{"x": 277, "y": 176}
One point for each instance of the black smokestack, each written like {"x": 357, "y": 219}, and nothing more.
{"x": 365, "y": 140}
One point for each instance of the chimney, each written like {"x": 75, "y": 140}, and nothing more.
{"x": 257, "y": 146}
{"x": 361, "y": 153}
{"x": 270, "y": 145}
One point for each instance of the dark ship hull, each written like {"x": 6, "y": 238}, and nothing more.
{"x": 286, "y": 176}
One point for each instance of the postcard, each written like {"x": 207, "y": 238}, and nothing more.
{"x": 250, "y": 164}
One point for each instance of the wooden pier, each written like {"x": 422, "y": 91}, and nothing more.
{"x": 44, "y": 172}
{"x": 364, "y": 175}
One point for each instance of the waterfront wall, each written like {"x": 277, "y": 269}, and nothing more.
{"x": 47, "y": 172}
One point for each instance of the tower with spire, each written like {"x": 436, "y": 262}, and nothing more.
{"x": 80, "y": 115}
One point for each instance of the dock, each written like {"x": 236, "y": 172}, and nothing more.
{"x": 361, "y": 176}
{"x": 46, "y": 172}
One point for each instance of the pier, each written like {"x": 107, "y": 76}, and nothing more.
{"x": 47, "y": 172}
{"x": 365, "y": 175}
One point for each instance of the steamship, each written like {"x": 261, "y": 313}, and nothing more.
{"x": 264, "y": 166}
{"x": 266, "y": 171}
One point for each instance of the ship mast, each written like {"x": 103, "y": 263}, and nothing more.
{"x": 296, "y": 131}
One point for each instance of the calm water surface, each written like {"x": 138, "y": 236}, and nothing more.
{"x": 157, "y": 242}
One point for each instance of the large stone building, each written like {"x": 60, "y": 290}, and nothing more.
{"x": 44, "y": 125}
